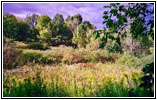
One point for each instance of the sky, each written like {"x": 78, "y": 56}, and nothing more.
{"x": 92, "y": 12}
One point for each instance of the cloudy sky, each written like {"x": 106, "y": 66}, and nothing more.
{"x": 92, "y": 12}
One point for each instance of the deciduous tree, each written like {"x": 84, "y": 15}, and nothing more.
{"x": 118, "y": 18}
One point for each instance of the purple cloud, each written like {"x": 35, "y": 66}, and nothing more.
{"x": 92, "y": 12}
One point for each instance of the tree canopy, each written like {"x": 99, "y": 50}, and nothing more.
{"x": 123, "y": 19}
{"x": 9, "y": 26}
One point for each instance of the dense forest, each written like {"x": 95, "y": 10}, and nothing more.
{"x": 57, "y": 57}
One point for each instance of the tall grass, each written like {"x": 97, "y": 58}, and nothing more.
{"x": 65, "y": 81}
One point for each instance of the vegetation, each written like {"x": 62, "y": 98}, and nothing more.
{"x": 44, "y": 57}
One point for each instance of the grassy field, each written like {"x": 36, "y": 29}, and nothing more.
{"x": 67, "y": 72}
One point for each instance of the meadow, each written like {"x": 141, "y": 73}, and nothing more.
{"x": 67, "y": 72}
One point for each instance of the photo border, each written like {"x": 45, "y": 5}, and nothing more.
{"x": 78, "y": 97}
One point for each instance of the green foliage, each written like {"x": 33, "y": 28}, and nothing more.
{"x": 80, "y": 34}
{"x": 92, "y": 44}
{"x": 60, "y": 26}
{"x": 145, "y": 44}
{"x": 10, "y": 26}
{"x": 113, "y": 48}
{"x": 119, "y": 18}
{"x": 20, "y": 45}
{"x": 44, "y": 27}
{"x": 23, "y": 32}
{"x": 77, "y": 19}
{"x": 31, "y": 86}
{"x": 148, "y": 78}
{"x": 151, "y": 50}
{"x": 42, "y": 22}
{"x": 97, "y": 56}
{"x": 71, "y": 57}
{"x": 16, "y": 29}
{"x": 31, "y": 20}
{"x": 58, "y": 22}
{"x": 129, "y": 61}
{"x": 38, "y": 46}
{"x": 44, "y": 34}
{"x": 61, "y": 40}
{"x": 73, "y": 22}
{"x": 147, "y": 59}
{"x": 33, "y": 57}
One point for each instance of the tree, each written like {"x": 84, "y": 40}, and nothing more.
{"x": 23, "y": 31}
{"x": 73, "y": 22}
{"x": 58, "y": 22}
{"x": 123, "y": 17}
{"x": 9, "y": 26}
{"x": 32, "y": 20}
{"x": 77, "y": 19}
{"x": 43, "y": 22}
{"x": 44, "y": 27}
{"x": 60, "y": 26}
{"x": 44, "y": 34}
{"x": 80, "y": 34}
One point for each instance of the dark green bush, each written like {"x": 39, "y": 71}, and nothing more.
{"x": 33, "y": 57}
{"x": 113, "y": 48}
{"x": 38, "y": 46}
{"x": 61, "y": 40}
{"x": 148, "y": 78}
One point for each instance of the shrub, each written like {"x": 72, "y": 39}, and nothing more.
{"x": 61, "y": 40}
{"x": 72, "y": 57}
{"x": 37, "y": 45}
{"x": 94, "y": 56}
{"x": 98, "y": 56}
{"x": 45, "y": 46}
{"x": 152, "y": 50}
{"x": 10, "y": 55}
{"x": 33, "y": 57}
{"x": 113, "y": 48}
{"x": 129, "y": 61}
{"x": 148, "y": 78}
{"x": 147, "y": 59}
{"x": 21, "y": 45}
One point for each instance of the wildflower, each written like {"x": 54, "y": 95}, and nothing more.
{"x": 33, "y": 78}
{"x": 24, "y": 79}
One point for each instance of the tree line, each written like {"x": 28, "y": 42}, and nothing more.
{"x": 133, "y": 22}
{"x": 44, "y": 29}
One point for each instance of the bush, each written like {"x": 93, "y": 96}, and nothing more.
{"x": 33, "y": 57}
{"x": 113, "y": 48}
{"x": 10, "y": 55}
{"x": 45, "y": 46}
{"x": 129, "y": 61}
{"x": 20, "y": 45}
{"x": 147, "y": 59}
{"x": 61, "y": 40}
{"x": 37, "y": 45}
{"x": 94, "y": 56}
{"x": 148, "y": 78}
{"x": 98, "y": 56}
{"x": 72, "y": 57}
{"x": 151, "y": 50}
